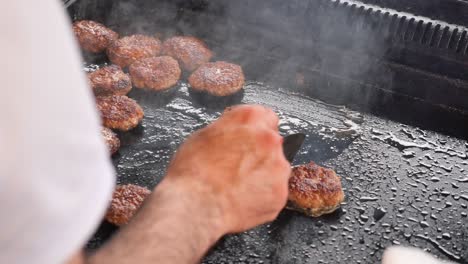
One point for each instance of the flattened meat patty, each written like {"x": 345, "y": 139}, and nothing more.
{"x": 93, "y": 36}
{"x": 314, "y": 190}
{"x": 156, "y": 73}
{"x": 110, "y": 80}
{"x": 119, "y": 112}
{"x": 217, "y": 78}
{"x": 111, "y": 139}
{"x": 127, "y": 50}
{"x": 189, "y": 51}
{"x": 126, "y": 200}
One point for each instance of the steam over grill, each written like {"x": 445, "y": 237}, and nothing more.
{"x": 350, "y": 52}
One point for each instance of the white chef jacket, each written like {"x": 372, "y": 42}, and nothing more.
{"x": 55, "y": 174}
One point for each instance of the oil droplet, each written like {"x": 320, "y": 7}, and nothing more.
{"x": 445, "y": 193}
{"x": 361, "y": 210}
{"x": 408, "y": 154}
{"x": 446, "y": 236}
{"x": 425, "y": 165}
{"x": 368, "y": 199}
{"x": 447, "y": 169}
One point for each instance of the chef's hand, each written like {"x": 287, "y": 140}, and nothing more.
{"x": 237, "y": 165}
{"x": 226, "y": 178}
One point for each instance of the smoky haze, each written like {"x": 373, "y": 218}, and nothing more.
{"x": 326, "y": 48}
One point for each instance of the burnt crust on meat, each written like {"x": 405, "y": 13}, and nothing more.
{"x": 93, "y": 36}
{"x": 111, "y": 140}
{"x": 189, "y": 51}
{"x": 155, "y": 73}
{"x": 314, "y": 190}
{"x": 130, "y": 49}
{"x": 119, "y": 112}
{"x": 126, "y": 200}
{"x": 110, "y": 80}
{"x": 217, "y": 78}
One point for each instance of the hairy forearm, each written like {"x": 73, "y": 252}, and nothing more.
{"x": 175, "y": 225}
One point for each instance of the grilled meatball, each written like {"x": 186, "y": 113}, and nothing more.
{"x": 189, "y": 51}
{"x": 126, "y": 200}
{"x": 156, "y": 73}
{"x": 119, "y": 112}
{"x": 217, "y": 78}
{"x": 314, "y": 190}
{"x": 93, "y": 36}
{"x": 127, "y": 50}
{"x": 111, "y": 139}
{"x": 110, "y": 80}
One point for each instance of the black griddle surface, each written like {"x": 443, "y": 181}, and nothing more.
{"x": 403, "y": 185}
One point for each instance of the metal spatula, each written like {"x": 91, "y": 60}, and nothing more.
{"x": 291, "y": 145}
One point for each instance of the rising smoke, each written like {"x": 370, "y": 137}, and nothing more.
{"x": 324, "y": 47}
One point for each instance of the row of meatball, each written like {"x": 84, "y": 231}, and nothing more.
{"x": 154, "y": 65}
{"x": 139, "y": 55}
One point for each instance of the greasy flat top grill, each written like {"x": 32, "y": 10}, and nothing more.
{"x": 404, "y": 184}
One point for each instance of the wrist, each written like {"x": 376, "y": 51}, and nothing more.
{"x": 200, "y": 205}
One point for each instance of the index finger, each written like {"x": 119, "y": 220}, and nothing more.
{"x": 251, "y": 114}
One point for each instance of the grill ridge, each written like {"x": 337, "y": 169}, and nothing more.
{"x": 461, "y": 41}
{"x": 418, "y": 31}
{"x": 403, "y": 27}
{"x": 432, "y": 42}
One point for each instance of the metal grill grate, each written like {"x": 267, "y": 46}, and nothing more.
{"x": 395, "y": 26}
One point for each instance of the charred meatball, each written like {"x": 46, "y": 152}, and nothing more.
{"x": 217, "y": 78}
{"x": 93, "y": 36}
{"x": 314, "y": 190}
{"x": 126, "y": 200}
{"x": 189, "y": 51}
{"x": 119, "y": 112}
{"x": 110, "y": 80}
{"x": 156, "y": 73}
{"x": 127, "y": 50}
{"x": 111, "y": 139}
